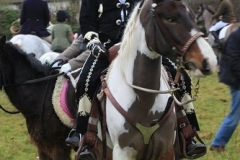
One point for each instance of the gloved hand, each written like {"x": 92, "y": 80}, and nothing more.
{"x": 65, "y": 68}
{"x": 94, "y": 44}
{"x": 97, "y": 49}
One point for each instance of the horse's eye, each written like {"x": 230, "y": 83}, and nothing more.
{"x": 172, "y": 19}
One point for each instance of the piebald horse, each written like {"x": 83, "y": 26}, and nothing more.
{"x": 143, "y": 127}
{"x": 204, "y": 15}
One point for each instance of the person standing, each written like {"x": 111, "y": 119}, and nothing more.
{"x": 34, "y": 19}
{"x": 61, "y": 32}
{"x": 225, "y": 10}
{"x": 229, "y": 74}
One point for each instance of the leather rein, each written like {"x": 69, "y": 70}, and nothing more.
{"x": 28, "y": 82}
{"x": 34, "y": 80}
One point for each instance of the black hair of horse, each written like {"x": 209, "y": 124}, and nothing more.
{"x": 33, "y": 100}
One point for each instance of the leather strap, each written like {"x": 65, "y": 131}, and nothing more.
{"x": 124, "y": 113}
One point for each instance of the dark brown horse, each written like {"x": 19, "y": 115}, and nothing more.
{"x": 34, "y": 100}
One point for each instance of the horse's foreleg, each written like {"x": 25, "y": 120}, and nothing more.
{"x": 170, "y": 155}
{"x": 125, "y": 153}
{"x": 61, "y": 152}
{"x": 43, "y": 156}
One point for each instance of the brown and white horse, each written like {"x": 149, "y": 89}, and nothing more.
{"x": 204, "y": 15}
{"x": 136, "y": 80}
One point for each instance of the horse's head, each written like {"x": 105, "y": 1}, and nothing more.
{"x": 204, "y": 14}
{"x": 198, "y": 16}
{"x": 171, "y": 30}
{"x": 16, "y": 66}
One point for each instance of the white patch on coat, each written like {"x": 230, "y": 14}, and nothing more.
{"x": 100, "y": 10}
{"x": 207, "y": 52}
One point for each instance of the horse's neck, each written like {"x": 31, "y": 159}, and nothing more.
{"x": 146, "y": 69}
{"x": 209, "y": 22}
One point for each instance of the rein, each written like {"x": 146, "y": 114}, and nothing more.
{"x": 9, "y": 112}
{"x": 28, "y": 82}
{"x": 34, "y": 80}
{"x": 146, "y": 89}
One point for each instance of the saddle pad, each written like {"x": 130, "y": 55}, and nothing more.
{"x": 59, "y": 102}
{"x": 223, "y": 32}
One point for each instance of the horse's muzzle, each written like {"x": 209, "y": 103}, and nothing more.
{"x": 206, "y": 70}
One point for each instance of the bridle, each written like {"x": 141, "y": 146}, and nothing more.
{"x": 180, "y": 50}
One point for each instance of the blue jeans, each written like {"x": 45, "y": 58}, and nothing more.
{"x": 230, "y": 122}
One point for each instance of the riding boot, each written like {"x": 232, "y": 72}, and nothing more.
{"x": 195, "y": 150}
{"x": 75, "y": 135}
{"x": 217, "y": 43}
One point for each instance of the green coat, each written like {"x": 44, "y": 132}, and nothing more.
{"x": 225, "y": 10}
{"x": 61, "y": 36}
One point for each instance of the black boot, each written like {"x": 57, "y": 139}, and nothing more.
{"x": 73, "y": 139}
{"x": 217, "y": 43}
{"x": 74, "y": 136}
{"x": 86, "y": 154}
{"x": 195, "y": 150}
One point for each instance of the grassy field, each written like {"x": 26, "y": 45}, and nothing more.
{"x": 211, "y": 107}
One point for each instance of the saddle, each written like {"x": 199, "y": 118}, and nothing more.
{"x": 63, "y": 98}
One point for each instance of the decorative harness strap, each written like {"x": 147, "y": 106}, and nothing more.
{"x": 148, "y": 130}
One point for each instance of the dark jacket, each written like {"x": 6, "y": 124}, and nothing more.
{"x": 105, "y": 18}
{"x": 35, "y": 17}
{"x": 230, "y": 61}
{"x": 225, "y": 10}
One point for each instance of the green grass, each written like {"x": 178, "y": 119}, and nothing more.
{"x": 15, "y": 143}
{"x": 211, "y": 107}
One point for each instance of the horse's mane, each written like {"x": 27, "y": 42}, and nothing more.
{"x": 126, "y": 44}
{"x": 31, "y": 60}
{"x": 130, "y": 27}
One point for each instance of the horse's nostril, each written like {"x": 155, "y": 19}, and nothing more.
{"x": 205, "y": 69}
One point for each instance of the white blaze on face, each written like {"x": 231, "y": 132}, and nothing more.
{"x": 207, "y": 53}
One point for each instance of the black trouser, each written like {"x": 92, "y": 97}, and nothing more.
{"x": 185, "y": 83}
{"x": 88, "y": 82}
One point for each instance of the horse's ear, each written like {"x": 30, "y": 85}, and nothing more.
{"x": 32, "y": 54}
{"x": 3, "y": 40}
